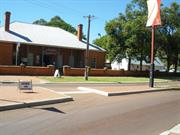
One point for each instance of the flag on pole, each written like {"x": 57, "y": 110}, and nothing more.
{"x": 154, "y": 17}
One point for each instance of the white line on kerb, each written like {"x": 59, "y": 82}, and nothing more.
{"x": 175, "y": 130}
{"x": 74, "y": 92}
{"x": 67, "y": 92}
{"x": 93, "y": 91}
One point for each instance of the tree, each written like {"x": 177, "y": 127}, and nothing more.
{"x": 138, "y": 36}
{"x": 40, "y": 22}
{"x": 114, "y": 40}
{"x": 114, "y": 29}
{"x": 127, "y": 35}
{"x": 56, "y": 21}
{"x": 169, "y": 48}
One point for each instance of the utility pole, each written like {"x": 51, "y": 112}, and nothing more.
{"x": 89, "y": 17}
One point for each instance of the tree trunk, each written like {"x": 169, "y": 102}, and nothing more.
{"x": 168, "y": 63}
{"x": 176, "y": 63}
{"x": 129, "y": 64}
{"x": 141, "y": 60}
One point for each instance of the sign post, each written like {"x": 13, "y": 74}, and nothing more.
{"x": 154, "y": 19}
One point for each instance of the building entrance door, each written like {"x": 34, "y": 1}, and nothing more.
{"x": 50, "y": 56}
{"x": 49, "y": 59}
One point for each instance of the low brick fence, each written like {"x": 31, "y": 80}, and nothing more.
{"x": 68, "y": 71}
{"x": 26, "y": 70}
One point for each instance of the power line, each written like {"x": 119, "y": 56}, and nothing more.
{"x": 65, "y": 7}
{"x": 52, "y": 7}
{"x": 42, "y": 6}
{"x": 55, "y": 8}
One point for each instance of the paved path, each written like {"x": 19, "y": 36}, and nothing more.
{"x": 91, "y": 114}
{"x": 11, "y": 97}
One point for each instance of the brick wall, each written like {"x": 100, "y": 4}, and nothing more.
{"x": 68, "y": 71}
{"x": 26, "y": 70}
{"x": 6, "y": 53}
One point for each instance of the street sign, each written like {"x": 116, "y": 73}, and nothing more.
{"x": 25, "y": 85}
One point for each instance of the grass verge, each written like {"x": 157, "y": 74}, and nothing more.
{"x": 107, "y": 79}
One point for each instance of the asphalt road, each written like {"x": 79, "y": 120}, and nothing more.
{"x": 90, "y": 114}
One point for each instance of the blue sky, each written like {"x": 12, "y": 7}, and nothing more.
{"x": 72, "y": 11}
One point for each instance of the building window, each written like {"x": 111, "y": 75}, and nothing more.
{"x": 93, "y": 62}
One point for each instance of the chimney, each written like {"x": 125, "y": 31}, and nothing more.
{"x": 7, "y": 21}
{"x": 79, "y": 33}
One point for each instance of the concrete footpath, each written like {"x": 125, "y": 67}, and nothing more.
{"x": 13, "y": 98}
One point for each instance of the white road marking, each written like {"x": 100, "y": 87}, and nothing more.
{"x": 93, "y": 91}
{"x": 175, "y": 130}
{"x": 75, "y": 92}
{"x": 68, "y": 92}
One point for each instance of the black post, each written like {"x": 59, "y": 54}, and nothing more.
{"x": 151, "y": 81}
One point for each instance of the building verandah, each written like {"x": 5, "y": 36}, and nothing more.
{"x": 39, "y": 55}
{"x": 32, "y": 55}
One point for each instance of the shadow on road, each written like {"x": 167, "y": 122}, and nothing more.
{"x": 51, "y": 109}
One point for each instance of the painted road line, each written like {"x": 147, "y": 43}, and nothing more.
{"x": 175, "y": 130}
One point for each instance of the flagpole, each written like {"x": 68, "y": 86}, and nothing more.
{"x": 154, "y": 19}
{"x": 151, "y": 81}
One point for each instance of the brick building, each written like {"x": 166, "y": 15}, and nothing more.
{"x": 36, "y": 45}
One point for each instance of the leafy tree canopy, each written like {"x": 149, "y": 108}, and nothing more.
{"x": 57, "y": 21}
{"x": 128, "y": 37}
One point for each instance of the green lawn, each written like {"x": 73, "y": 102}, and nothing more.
{"x": 106, "y": 79}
